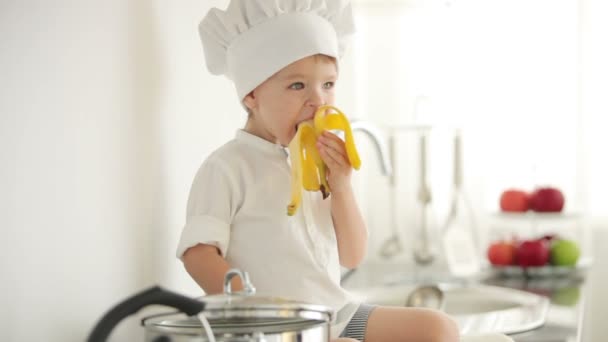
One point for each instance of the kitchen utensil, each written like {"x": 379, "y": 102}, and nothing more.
{"x": 392, "y": 246}
{"x": 244, "y": 316}
{"x": 460, "y": 236}
{"x": 153, "y": 295}
{"x": 232, "y": 316}
{"x": 423, "y": 253}
{"x": 426, "y": 296}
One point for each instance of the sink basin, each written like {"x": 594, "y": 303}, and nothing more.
{"x": 476, "y": 308}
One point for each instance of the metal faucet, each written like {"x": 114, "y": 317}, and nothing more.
{"x": 388, "y": 162}
{"x": 423, "y": 254}
{"x": 375, "y": 134}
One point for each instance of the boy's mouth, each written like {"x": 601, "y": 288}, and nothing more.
{"x": 299, "y": 123}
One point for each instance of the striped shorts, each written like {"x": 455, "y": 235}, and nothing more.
{"x": 357, "y": 325}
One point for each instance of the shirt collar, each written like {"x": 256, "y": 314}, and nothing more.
{"x": 260, "y": 144}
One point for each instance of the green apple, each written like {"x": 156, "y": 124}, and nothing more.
{"x": 564, "y": 253}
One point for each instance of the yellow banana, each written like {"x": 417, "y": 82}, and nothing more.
{"x": 308, "y": 171}
{"x": 325, "y": 121}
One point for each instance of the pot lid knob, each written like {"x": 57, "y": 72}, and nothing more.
{"x": 248, "y": 288}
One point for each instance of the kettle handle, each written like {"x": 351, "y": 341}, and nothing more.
{"x": 153, "y": 295}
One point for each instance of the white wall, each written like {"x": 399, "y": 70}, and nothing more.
{"x": 594, "y": 106}
{"x": 106, "y": 112}
{"x": 594, "y": 103}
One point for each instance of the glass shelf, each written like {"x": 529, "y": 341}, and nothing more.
{"x": 532, "y": 215}
{"x": 546, "y": 271}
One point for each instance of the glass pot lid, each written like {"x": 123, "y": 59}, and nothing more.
{"x": 245, "y": 309}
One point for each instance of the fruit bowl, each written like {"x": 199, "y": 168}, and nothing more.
{"x": 548, "y": 255}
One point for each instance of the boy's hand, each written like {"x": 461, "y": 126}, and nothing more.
{"x": 333, "y": 152}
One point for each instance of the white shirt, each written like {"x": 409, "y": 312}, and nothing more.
{"x": 238, "y": 203}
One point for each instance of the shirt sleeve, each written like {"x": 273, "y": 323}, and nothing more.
{"x": 211, "y": 208}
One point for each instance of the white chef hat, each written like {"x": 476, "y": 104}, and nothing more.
{"x": 253, "y": 39}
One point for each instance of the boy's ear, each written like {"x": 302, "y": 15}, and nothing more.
{"x": 250, "y": 100}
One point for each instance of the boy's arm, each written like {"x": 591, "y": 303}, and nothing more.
{"x": 349, "y": 226}
{"x": 207, "y": 267}
{"x": 351, "y": 232}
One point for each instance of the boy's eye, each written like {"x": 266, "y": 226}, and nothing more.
{"x": 328, "y": 85}
{"x": 297, "y": 85}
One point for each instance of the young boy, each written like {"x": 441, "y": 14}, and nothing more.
{"x": 283, "y": 58}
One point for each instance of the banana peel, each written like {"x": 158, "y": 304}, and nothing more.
{"x": 308, "y": 171}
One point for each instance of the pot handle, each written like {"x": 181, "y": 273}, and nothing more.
{"x": 153, "y": 295}
{"x": 248, "y": 287}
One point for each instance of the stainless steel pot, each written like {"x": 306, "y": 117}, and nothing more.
{"x": 233, "y": 317}
{"x": 179, "y": 329}
{"x": 243, "y": 316}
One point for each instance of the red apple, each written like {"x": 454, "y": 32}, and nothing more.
{"x": 533, "y": 253}
{"x": 501, "y": 253}
{"x": 547, "y": 199}
{"x": 514, "y": 200}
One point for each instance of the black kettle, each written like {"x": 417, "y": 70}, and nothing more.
{"x": 152, "y": 296}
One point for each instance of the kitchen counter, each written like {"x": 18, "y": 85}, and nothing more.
{"x": 580, "y": 311}
{"x": 564, "y": 322}
{"x": 568, "y": 295}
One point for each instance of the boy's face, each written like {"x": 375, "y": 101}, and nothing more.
{"x": 291, "y": 96}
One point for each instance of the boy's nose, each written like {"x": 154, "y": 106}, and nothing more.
{"x": 316, "y": 99}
